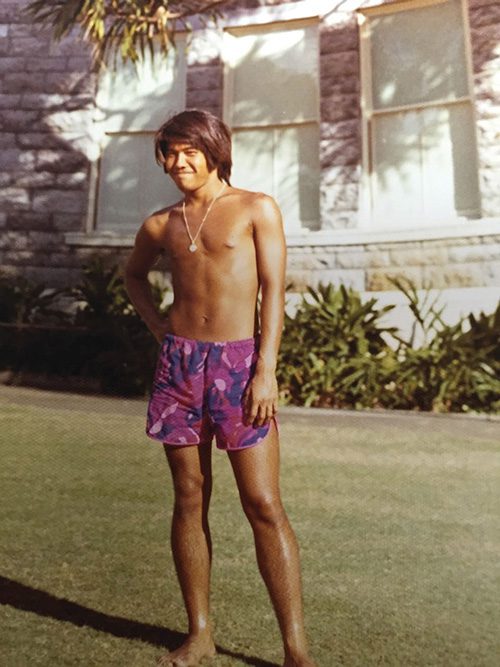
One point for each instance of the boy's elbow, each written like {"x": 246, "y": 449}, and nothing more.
{"x": 128, "y": 272}
{"x": 132, "y": 274}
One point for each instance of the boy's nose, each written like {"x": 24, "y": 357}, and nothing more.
{"x": 181, "y": 160}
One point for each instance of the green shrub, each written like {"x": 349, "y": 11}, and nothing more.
{"x": 450, "y": 374}
{"x": 23, "y": 301}
{"x": 335, "y": 349}
{"x": 125, "y": 359}
{"x": 458, "y": 367}
{"x": 103, "y": 340}
{"x": 333, "y": 352}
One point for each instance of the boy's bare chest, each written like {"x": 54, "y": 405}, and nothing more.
{"x": 217, "y": 236}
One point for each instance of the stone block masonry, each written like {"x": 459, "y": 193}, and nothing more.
{"x": 47, "y": 142}
{"x": 44, "y": 171}
{"x": 439, "y": 264}
{"x": 484, "y": 17}
{"x": 340, "y": 129}
{"x": 47, "y": 110}
{"x": 205, "y": 73}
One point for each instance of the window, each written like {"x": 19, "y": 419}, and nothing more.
{"x": 272, "y": 104}
{"x": 420, "y": 155}
{"x": 130, "y": 183}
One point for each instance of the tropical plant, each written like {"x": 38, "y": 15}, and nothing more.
{"x": 124, "y": 355}
{"x": 426, "y": 308}
{"x": 101, "y": 294}
{"x": 102, "y": 339}
{"x": 458, "y": 370}
{"x": 129, "y": 28}
{"x": 24, "y": 301}
{"x": 333, "y": 350}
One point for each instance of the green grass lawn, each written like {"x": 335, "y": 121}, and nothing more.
{"x": 396, "y": 515}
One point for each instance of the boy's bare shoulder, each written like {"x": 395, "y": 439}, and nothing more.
{"x": 154, "y": 225}
{"x": 258, "y": 203}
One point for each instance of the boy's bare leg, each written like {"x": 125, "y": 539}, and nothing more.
{"x": 256, "y": 470}
{"x": 192, "y": 549}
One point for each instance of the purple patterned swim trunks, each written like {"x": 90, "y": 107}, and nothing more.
{"x": 198, "y": 390}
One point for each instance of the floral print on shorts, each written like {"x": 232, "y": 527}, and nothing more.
{"x": 198, "y": 390}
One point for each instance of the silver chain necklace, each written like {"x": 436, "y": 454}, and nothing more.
{"x": 193, "y": 247}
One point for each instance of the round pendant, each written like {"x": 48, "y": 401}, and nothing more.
{"x": 193, "y": 247}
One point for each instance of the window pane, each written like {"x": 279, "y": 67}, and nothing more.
{"x": 253, "y": 160}
{"x": 297, "y": 169}
{"x": 284, "y": 163}
{"x": 425, "y": 167}
{"x": 274, "y": 76}
{"x": 418, "y": 55}
{"x": 132, "y": 185}
{"x": 132, "y": 102}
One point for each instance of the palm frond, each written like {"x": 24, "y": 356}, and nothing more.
{"x": 128, "y": 28}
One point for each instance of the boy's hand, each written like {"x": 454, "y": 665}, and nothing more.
{"x": 260, "y": 401}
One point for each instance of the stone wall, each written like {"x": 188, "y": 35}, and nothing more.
{"x": 484, "y": 17}
{"x": 340, "y": 128}
{"x": 440, "y": 264}
{"x": 47, "y": 103}
{"x": 47, "y": 106}
{"x": 205, "y": 73}
{"x": 46, "y": 97}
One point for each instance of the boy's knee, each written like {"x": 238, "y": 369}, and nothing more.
{"x": 191, "y": 493}
{"x": 264, "y": 508}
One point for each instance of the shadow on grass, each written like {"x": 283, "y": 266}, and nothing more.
{"x": 26, "y": 598}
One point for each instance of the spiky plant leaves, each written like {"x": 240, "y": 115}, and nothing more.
{"x": 127, "y": 28}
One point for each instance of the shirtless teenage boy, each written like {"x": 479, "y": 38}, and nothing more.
{"x": 216, "y": 370}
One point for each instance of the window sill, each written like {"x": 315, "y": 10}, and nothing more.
{"x": 325, "y": 237}
{"x": 100, "y": 239}
{"x": 363, "y": 236}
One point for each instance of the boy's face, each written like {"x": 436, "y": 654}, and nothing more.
{"x": 186, "y": 165}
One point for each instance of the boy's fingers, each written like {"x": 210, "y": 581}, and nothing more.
{"x": 258, "y": 412}
{"x": 264, "y": 414}
{"x": 250, "y": 408}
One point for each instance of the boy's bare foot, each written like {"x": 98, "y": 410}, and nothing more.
{"x": 191, "y": 653}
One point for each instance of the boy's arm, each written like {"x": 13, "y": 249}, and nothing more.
{"x": 261, "y": 400}
{"x": 146, "y": 251}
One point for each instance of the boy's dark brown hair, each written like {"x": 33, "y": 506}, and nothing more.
{"x": 202, "y": 130}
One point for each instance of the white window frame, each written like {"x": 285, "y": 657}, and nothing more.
{"x": 366, "y": 219}
{"x": 103, "y": 127}
{"x": 228, "y": 73}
